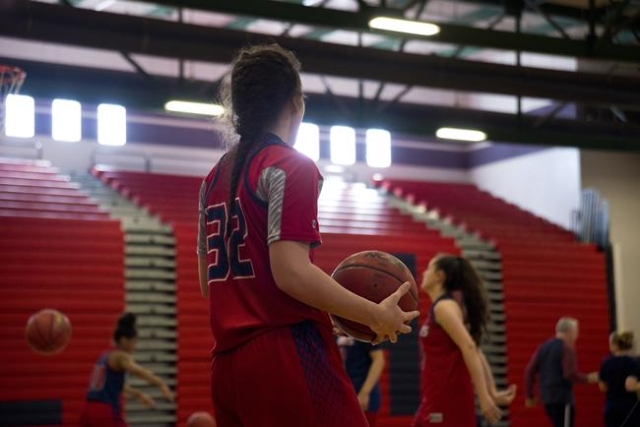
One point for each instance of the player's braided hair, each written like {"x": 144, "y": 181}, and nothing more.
{"x": 263, "y": 79}
{"x": 461, "y": 276}
{"x": 126, "y": 327}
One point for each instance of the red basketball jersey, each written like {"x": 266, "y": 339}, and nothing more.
{"x": 276, "y": 199}
{"x": 447, "y": 391}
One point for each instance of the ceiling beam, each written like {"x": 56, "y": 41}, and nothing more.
{"x": 449, "y": 33}
{"x": 80, "y": 27}
{"x": 549, "y": 7}
{"x": 93, "y": 86}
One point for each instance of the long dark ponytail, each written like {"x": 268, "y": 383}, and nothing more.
{"x": 263, "y": 80}
{"x": 462, "y": 277}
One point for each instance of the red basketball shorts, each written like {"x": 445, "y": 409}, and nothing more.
{"x": 100, "y": 414}
{"x": 286, "y": 377}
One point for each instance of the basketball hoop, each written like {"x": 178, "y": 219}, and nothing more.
{"x": 11, "y": 79}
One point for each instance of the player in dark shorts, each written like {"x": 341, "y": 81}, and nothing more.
{"x": 451, "y": 360}
{"x": 619, "y": 375}
{"x": 364, "y": 364}
{"x": 275, "y": 362}
{"x": 107, "y": 383}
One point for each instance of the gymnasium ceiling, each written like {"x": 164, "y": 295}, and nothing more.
{"x": 531, "y": 71}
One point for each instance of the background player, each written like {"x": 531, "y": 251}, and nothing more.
{"x": 102, "y": 405}
{"x": 275, "y": 362}
{"x": 619, "y": 374}
{"x": 450, "y": 338}
{"x": 364, "y": 364}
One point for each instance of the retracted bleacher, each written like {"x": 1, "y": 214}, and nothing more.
{"x": 57, "y": 250}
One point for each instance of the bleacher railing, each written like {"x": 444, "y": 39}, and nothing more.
{"x": 151, "y": 162}
{"x": 21, "y": 149}
{"x": 590, "y": 222}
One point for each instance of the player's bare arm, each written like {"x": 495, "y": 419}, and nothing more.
{"x": 449, "y": 316}
{"x": 500, "y": 397}
{"x": 123, "y": 361}
{"x": 139, "y": 395}
{"x": 202, "y": 274}
{"x": 298, "y": 277}
{"x": 373, "y": 376}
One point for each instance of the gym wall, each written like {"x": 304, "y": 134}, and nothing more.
{"x": 617, "y": 177}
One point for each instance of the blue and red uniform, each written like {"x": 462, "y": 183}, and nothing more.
{"x": 275, "y": 362}
{"x": 102, "y": 406}
{"x": 447, "y": 397}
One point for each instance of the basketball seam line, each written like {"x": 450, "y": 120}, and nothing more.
{"x": 417, "y": 300}
{"x": 371, "y": 267}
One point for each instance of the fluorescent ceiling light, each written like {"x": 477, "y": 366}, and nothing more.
{"x": 461, "y": 134}
{"x": 194, "y": 108}
{"x": 404, "y": 26}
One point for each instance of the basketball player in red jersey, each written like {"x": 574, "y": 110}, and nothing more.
{"x": 452, "y": 362}
{"x": 275, "y": 362}
{"x": 102, "y": 405}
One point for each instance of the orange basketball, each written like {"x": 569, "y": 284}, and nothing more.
{"x": 373, "y": 275}
{"x": 48, "y": 331}
{"x": 201, "y": 419}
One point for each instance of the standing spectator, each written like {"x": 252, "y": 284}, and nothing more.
{"x": 556, "y": 366}
{"x": 619, "y": 376}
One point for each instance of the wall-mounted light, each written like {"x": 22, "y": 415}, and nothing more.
{"x": 112, "y": 125}
{"x": 19, "y": 116}
{"x": 308, "y": 141}
{"x": 66, "y": 120}
{"x": 378, "y": 148}
{"x": 470, "y": 135}
{"x": 342, "y": 140}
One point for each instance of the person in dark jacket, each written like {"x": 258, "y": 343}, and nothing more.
{"x": 555, "y": 365}
{"x": 619, "y": 374}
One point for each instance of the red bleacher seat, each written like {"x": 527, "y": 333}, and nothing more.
{"x": 57, "y": 250}
{"x": 84, "y": 282}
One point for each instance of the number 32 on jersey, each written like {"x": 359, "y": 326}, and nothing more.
{"x": 227, "y": 253}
